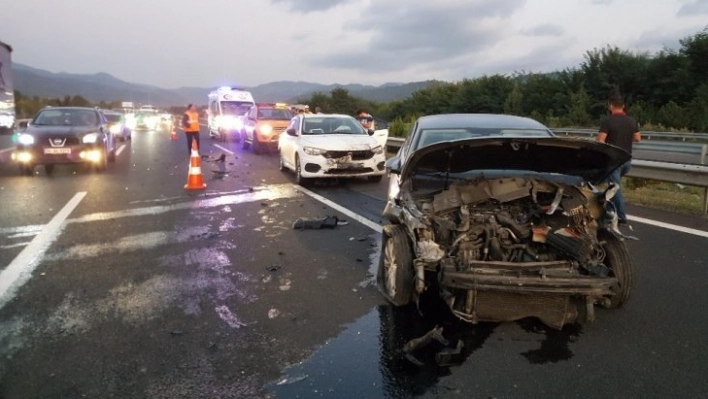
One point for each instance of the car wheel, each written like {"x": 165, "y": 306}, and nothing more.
{"x": 374, "y": 179}
{"x": 48, "y": 169}
{"x": 257, "y": 146}
{"x": 27, "y": 170}
{"x": 281, "y": 164}
{"x": 620, "y": 263}
{"x": 395, "y": 275}
{"x": 244, "y": 145}
{"x": 102, "y": 165}
{"x": 298, "y": 173}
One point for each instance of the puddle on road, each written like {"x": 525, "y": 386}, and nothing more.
{"x": 367, "y": 360}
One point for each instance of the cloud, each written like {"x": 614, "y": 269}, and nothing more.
{"x": 659, "y": 39}
{"x": 544, "y": 30}
{"x": 693, "y": 8}
{"x": 602, "y": 2}
{"x": 307, "y": 6}
{"x": 429, "y": 33}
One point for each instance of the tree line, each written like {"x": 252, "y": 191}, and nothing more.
{"x": 666, "y": 90}
{"x": 27, "y": 106}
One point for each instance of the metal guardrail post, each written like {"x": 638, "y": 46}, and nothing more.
{"x": 704, "y": 150}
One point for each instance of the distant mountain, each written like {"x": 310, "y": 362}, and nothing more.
{"x": 102, "y": 86}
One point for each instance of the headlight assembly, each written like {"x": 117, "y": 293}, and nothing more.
{"x": 25, "y": 139}
{"x": 313, "y": 151}
{"x": 90, "y": 138}
{"x": 377, "y": 150}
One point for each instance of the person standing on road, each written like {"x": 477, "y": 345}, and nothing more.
{"x": 190, "y": 123}
{"x": 621, "y": 130}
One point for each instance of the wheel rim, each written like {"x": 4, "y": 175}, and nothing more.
{"x": 297, "y": 167}
{"x": 390, "y": 264}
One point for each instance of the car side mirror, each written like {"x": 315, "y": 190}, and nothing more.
{"x": 393, "y": 165}
{"x": 291, "y": 132}
{"x": 370, "y": 131}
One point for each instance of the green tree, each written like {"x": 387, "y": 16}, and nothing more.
{"x": 578, "y": 108}
{"x": 514, "y": 101}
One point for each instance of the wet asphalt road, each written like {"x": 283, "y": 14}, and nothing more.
{"x": 150, "y": 291}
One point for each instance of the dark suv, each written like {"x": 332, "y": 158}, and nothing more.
{"x": 65, "y": 135}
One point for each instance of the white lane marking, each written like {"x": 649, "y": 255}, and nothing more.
{"x": 9, "y": 246}
{"x": 7, "y": 150}
{"x": 366, "y": 222}
{"x": 669, "y": 226}
{"x": 120, "y": 149}
{"x": 270, "y": 192}
{"x": 225, "y": 149}
{"x": 20, "y": 269}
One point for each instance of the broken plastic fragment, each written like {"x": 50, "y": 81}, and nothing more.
{"x": 292, "y": 380}
{"x": 433, "y": 335}
{"x": 328, "y": 222}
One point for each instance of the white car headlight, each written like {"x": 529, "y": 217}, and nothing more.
{"x": 25, "y": 139}
{"x": 377, "y": 150}
{"x": 90, "y": 138}
{"x": 313, "y": 151}
{"x": 116, "y": 129}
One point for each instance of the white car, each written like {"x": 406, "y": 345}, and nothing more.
{"x": 330, "y": 146}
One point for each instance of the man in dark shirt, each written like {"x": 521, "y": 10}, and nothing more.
{"x": 620, "y": 130}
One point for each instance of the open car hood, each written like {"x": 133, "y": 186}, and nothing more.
{"x": 589, "y": 160}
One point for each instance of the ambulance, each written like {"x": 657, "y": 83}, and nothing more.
{"x": 227, "y": 107}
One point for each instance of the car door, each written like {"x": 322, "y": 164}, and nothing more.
{"x": 288, "y": 143}
{"x": 249, "y": 124}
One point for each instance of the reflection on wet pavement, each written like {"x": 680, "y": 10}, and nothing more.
{"x": 367, "y": 359}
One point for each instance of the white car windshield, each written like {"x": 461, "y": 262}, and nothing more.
{"x": 332, "y": 125}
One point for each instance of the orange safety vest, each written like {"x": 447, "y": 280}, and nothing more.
{"x": 192, "y": 122}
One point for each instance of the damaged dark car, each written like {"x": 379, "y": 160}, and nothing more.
{"x": 504, "y": 220}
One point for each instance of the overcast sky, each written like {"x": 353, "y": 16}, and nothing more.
{"x": 173, "y": 43}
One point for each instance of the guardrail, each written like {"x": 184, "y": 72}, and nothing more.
{"x": 646, "y": 135}
{"x": 692, "y": 175}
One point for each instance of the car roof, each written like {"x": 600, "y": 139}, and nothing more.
{"x": 325, "y": 115}
{"x": 63, "y": 107}
{"x": 446, "y": 121}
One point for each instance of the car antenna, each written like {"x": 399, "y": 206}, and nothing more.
{"x": 447, "y": 170}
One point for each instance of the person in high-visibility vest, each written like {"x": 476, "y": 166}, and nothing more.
{"x": 190, "y": 124}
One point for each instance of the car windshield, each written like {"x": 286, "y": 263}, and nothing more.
{"x": 113, "y": 117}
{"x": 332, "y": 125}
{"x": 66, "y": 117}
{"x": 235, "y": 107}
{"x": 274, "y": 114}
{"x": 427, "y": 137}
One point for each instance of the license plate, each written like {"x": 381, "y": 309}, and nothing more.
{"x": 57, "y": 150}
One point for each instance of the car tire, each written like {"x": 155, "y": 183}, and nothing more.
{"x": 620, "y": 263}
{"x": 257, "y": 146}
{"x": 374, "y": 179}
{"x": 244, "y": 144}
{"x": 395, "y": 275}
{"x": 48, "y": 169}
{"x": 26, "y": 170}
{"x": 103, "y": 165}
{"x": 302, "y": 181}
{"x": 281, "y": 164}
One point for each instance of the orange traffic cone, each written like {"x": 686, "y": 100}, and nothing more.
{"x": 173, "y": 135}
{"x": 194, "y": 178}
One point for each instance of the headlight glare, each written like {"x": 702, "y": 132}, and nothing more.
{"x": 25, "y": 139}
